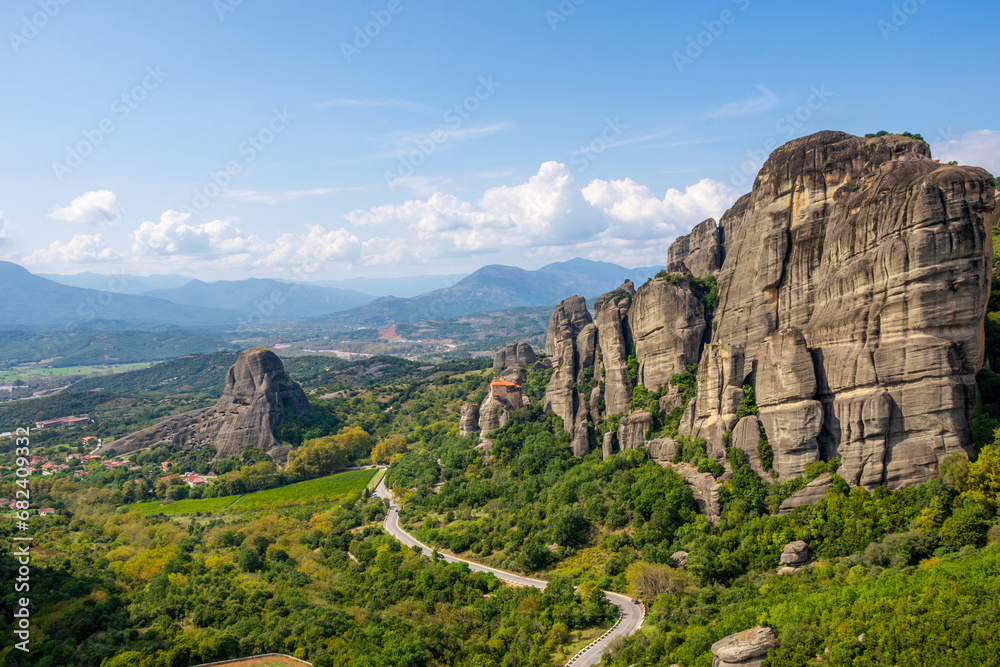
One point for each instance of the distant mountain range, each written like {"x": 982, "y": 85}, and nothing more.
{"x": 496, "y": 287}
{"x": 273, "y": 298}
{"x": 36, "y": 303}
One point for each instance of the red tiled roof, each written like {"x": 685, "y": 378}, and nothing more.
{"x": 504, "y": 383}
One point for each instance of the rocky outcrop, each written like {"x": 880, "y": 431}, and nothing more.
{"x": 870, "y": 262}
{"x": 667, "y": 323}
{"x": 746, "y": 436}
{"x": 813, "y": 491}
{"x": 493, "y": 414}
{"x": 793, "y": 557}
{"x": 568, "y": 320}
{"x": 468, "y": 423}
{"x": 632, "y": 430}
{"x": 614, "y": 338}
{"x": 519, "y": 355}
{"x": 609, "y": 442}
{"x": 699, "y": 253}
{"x": 257, "y": 394}
{"x": 661, "y": 450}
{"x": 746, "y": 649}
{"x": 852, "y": 281}
{"x": 679, "y": 559}
{"x": 704, "y": 488}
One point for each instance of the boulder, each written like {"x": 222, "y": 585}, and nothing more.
{"x": 698, "y": 253}
{"x": 795, "y": 553}
{"x": 671, "y": 400}
{"x": 813, "y": 491}
{"x": 468, "y": 423}
{"x": 256, "y": 397}
{"x": 744, "y": 647}
{"x": 679, "y": 558}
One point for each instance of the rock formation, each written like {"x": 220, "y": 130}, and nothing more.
{"x": 520, "y": 355}
{"x": 667, "y": 323}
{"x": 813, "y": 491}
{"x": 699, "y": 253}
{"x": 853, "y": 282}
{"x": 257, "y": 394}
{"x": 469, "y": 421}
{"x": 746, "y": 649}
{"x": 704, "y": 487}
{"x": 568, "y": 319}
{"x": 613, "y": 336}
{"x": 869, "y": 262}
{"x": 632, "y": 430}
{"x": 746, "y": 435}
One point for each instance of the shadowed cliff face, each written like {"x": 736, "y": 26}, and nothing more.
{"x": 852, "y": 296}
{"x": 257, "y": 394}
{"x": 852, "y": 291}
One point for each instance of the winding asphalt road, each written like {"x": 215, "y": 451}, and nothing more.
{"x": 631, "y": 613}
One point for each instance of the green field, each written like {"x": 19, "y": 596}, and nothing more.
{"x": 335, "y": 488}
{"x": 32, "y": 372}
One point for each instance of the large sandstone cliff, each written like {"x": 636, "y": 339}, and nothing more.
{"x": 852, "y": 299}
{"x": 853, "y": 283}
{"x": 258, "y": 392}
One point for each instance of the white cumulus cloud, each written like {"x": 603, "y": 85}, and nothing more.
{"x": 174, "y": 235}
{"x": 99, "y": 207}
{"x": 979, "y": 148}
{"x": 81, "y": 249}
{"x": 640, "y": 214}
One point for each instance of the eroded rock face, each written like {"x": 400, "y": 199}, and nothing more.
{"x": 469, "y": 421}
{"x": 613, "y": 334}
{"x": 667, "y": 324}
{"x": 519, "y": 355}
{"x": 813, "y": 491}
{"x": 698, "y": 253}
{"x": 632, "y": 430}
{"x": 257, "y": 394}
{"x": 746, "y": 435}
{"x": 874, "y": 261}
{"x": 661, "y": 450}
{"x": 568, "y": 320}
{"x": 704, "y": 488}
{"x": 609, "y": 442}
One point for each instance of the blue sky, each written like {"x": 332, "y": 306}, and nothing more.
{"x": 228, "y": 138}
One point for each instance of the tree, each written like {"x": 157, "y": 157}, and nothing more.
{"x": 321, "y": 456}
{"x": 647, "y": 581}
{"x": 250, "y": 561}
{"x": 387, "y": 449}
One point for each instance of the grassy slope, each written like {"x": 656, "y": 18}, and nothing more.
{"x": 340, "y": 487}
